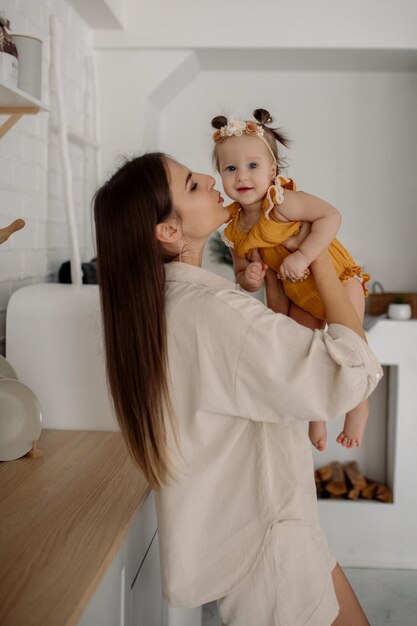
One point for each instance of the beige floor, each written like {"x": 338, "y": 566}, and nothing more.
{"x": 389, "y": 597}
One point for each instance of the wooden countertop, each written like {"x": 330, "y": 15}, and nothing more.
{"x": 63, "y": 518}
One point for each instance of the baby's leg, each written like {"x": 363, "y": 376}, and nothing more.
{"x": 316, "y": 430}
{"x": 317, "y": 433}
{"x": 304, "y": 318}
{"x": 278, "y": 301}
{"x": 355, "y": 420}
{"x": 276, "y": 298}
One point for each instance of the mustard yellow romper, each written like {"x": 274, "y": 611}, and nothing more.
{"x": 269, "y": 234}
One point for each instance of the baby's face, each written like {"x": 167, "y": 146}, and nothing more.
{"x": 246, "y": 168}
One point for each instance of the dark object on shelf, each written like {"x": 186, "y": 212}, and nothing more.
{"x": 89, "y": 272}
{"x": 8, "y": 52}
{"x": 219, "y": 251}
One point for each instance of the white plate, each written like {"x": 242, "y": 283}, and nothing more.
{"x": 20, "y": 419}
{"x": 6, "y": 369}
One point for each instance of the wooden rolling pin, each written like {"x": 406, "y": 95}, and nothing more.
{"x": 10, "y": 229}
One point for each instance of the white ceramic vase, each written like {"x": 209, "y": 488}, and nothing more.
{"x": 399, "y": 311}
{"x": 29, "y": 77}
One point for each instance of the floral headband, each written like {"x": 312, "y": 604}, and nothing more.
{"x": 238, "y": 128}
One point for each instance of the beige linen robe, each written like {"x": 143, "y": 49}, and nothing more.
{"x": 244, "y": 379}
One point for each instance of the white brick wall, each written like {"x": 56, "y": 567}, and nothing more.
{"x": 31, "y": 183}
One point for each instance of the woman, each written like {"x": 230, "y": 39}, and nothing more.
{"x": 211, "y": 389}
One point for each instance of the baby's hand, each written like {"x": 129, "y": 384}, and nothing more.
{"x": 293, "y": 266}
{"x": 255, "y": 272}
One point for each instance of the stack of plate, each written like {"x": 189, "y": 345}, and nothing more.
{"x": 20, "y": 415}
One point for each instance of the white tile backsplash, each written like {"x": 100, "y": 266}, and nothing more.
{"x": 31, "y": 181}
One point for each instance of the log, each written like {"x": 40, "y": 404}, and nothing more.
{"x": 383, "y": 493}
{"x": 369, "y": 491}
{"x": 353, "y": 494}
{"x": 335, "y": 481}
{"x": 354, "y": 475}
{"x": 325, "y": 472}
{"x": 319, "y": 485}
{"x": 337, "y": 485}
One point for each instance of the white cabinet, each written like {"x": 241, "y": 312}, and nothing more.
{"x": 130, "y": 593}
{"x": 146, "y": 607}
{"x": 106, "y": 607}
{"x": 143, "y": 591}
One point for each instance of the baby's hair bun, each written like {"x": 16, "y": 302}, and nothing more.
{"x": 262, "y": 116}
{"x": 219, "y": 121}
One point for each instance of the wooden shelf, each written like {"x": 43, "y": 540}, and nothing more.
{"x": 64, "y": 517}
{"x": 14, "y": 102}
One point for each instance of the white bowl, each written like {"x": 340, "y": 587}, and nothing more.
{"x": 20, "y": 419}
{"x": 6, "y": 370}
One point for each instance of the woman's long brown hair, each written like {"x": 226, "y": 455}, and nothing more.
{"x": 131, "y": 278}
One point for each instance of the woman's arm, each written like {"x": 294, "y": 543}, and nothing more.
{"x": 338, "y": 308}
{"x": 287, "y": 372}
{"x": 276, "y": 370}
{"x": 325, "y": 220}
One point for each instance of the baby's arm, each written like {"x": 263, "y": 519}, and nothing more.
{"x": 293, "y": 243}
{"x": 249, "y": 274}
{"x": 325, "y": 220}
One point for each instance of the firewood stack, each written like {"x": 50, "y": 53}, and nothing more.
{"x": 346, "y": 482}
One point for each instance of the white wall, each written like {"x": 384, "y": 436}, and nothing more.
{"x": 177, "y": 64}
{"x": 31, "y": 184}
{"x": 266, "y": 24}
{"x": 354, "y": 131}
{"x": 339, "y": 76}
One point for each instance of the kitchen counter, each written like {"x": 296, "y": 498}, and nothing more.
{"x": 63, "y": 518}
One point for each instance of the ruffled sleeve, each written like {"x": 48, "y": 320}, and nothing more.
{"x": 233, "y": 209}
{"x": 227, "y": 233}
{"x": 275, "y": 194}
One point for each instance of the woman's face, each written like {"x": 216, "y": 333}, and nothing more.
{"x": 196, "y": 201}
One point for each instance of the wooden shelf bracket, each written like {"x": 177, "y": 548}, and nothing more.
{"x": 15, "y": 113}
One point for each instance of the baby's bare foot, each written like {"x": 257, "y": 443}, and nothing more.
{"x": 354, "y": 426}
{"x": 318, "y": 435}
